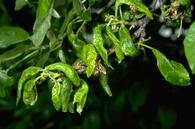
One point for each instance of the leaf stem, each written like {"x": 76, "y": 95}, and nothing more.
{"x": 146, "y": 46}
{"x": 180, "y": 28}
{"x": 79, "y": 29}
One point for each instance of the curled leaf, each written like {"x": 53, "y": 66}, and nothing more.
{"x": 56, "y": 96}
{"x": 66, "y": 91}
{"x": 67, "y": 70}
{"x": 30, "y": 93}
{"x": 80, "y": 96}
{"x": 99, "y": 43}
{"x": 126, "y": 41}
{"x": 104, "y": 83}
{"x": 116, "y": 43}
{"x": 89, "y": 56}
{"x": 26, "y": 75}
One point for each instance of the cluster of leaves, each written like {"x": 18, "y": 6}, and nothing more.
{"x": 122, "y": 33}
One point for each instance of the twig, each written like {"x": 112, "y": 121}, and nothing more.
{"x": 153, "y": 4}
{"x": 106, "y": 6}
{"x": 161, "y": 5}
{"x": 141, "y": 31}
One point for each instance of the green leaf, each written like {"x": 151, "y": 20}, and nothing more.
{"x": 135, "y": 3}
{"x": 42, "y": 23}
{"x": 86, "y": 15}
{"x": 189, "y": 47}
{"x": 76, "y": 43}
{"x": 55, "y": 14}
{"x": 19, "y": 4}
{"x": 12, "y": 35}
{"x": 98, "y": 42}
{"x": 104, "y": 83}
{"x": 77, "y": 5}
{"x": 126, "y": 41}
{"x": 185, "y": 2}
{"x": 172, "y": 71}
{"x": 89, "y": 56}
{"x": 167, "y": 117}
{"x": 66, "y": 91}
{"x": 116, "y": 43}
{"x": 26, "y": 75}
{"x": 119, "y": 3}
{"x": 5, "y": 80}
{"x": 2, "y": 91}
{"x": 45, "y": 8}
{"x": 14, "y": 53}
{"x": 80, "y": 96}
{"x": 62, "y": 56}
{"x": 30, "y": 93}
{"x": 56, "y": 96}
{"x": 42, "y": 61}
{"x": 67, "y": 69}
{"x": 5, "y": 19}
{"x": 92, "y": 120}
{"x": 137, "y": 96}
{"x": 144, "y": 9}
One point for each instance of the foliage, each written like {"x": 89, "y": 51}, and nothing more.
{"x": 75, "y": 42}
